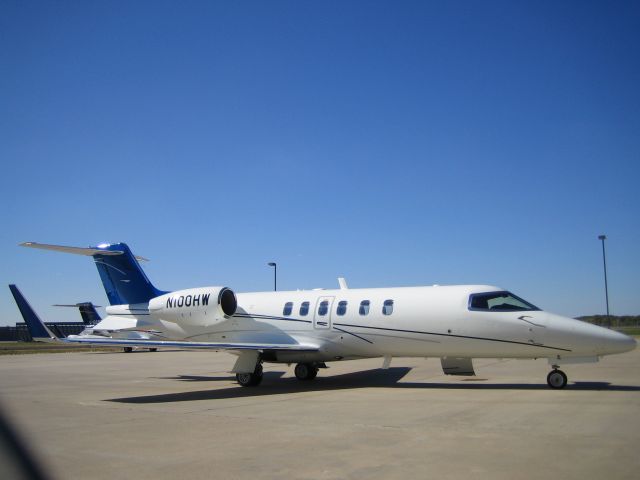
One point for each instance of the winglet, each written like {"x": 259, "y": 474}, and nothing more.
{"x": 343, "y": 283}
{"x": 38, "y": 330}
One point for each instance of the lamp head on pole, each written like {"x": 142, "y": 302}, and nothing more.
{"x": 602, "y": 237}
{"x": 271, "y": 264}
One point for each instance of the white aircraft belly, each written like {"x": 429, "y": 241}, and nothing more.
{"x": 116, "y": 323}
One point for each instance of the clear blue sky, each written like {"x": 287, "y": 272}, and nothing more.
{"x": 393, "y": 143}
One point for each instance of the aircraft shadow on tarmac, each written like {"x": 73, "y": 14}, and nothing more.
{"x": 273, "y": 384}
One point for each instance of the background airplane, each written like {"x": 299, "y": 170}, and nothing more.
{"x": 88, "y": 312}
{"x": 454, "y": 323}
{"x": 41, "y": 332}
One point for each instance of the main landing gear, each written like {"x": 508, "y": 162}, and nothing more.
{"x": 557, "y": 378}
{"x": 306, "y": 371}
{"x": 250, "y": 379}
{"x": 303, "y": 371}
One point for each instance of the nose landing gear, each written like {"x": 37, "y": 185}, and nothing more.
{"x": 557, "y": 378}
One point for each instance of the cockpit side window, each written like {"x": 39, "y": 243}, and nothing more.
{"x": 499, "y": 302}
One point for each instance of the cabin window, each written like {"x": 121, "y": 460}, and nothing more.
{"x": 288, "y": 308}
{"x": 499, "y": 302}
{"x": 304, "y": 308}
{"x": 387, "y": 308}
{"x": 323, "y": 308}
{"x": 364, "y": 307}
{"x": 342, "y": 307}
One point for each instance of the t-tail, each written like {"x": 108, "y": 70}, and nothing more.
{"x": 88, "y": 312}
{"x": 38, "y": 330}
{"x": 121, "y": 274}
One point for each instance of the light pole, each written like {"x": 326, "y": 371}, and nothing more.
{"x": 275, "y": 275}
{"x": 606, "y": 288}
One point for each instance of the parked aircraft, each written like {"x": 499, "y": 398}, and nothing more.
{"x": 88, "y": 312}
{"x": 90, "y": 317}
{"x": 309, "y": 328}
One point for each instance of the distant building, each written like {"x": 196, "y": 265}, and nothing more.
{"x": 20, "y": 333}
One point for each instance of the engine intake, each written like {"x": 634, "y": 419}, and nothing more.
{"x": 227, "y": 301}
{"x": 195, "y": 305}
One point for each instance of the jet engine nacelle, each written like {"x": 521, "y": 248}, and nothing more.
{"x": 195, "y": 306}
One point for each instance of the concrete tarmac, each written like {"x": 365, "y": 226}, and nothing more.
{"x": 179, "y": 414}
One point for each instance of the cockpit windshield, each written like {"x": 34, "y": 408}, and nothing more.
{"x": 499, "y": 302}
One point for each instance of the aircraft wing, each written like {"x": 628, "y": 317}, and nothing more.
{"x": 293, "y": 347}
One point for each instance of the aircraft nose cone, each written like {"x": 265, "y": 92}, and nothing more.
{"x": 616, "y": 342}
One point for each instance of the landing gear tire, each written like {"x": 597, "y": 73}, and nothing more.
{"x": 306, "y": 371}
{"x": 250, "y": 379}
{"x": 128, "y": 349}
{"x": 557, "y": 379}
{"x": 153, "y": 349}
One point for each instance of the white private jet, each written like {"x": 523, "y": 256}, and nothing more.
{"x": 309, "y": 328}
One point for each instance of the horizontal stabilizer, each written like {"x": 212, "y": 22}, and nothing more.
{"x": 89, "y": 252}
{"x": 75, "y": 305}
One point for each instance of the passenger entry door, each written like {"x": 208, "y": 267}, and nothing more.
{"x": 322, "y": 313}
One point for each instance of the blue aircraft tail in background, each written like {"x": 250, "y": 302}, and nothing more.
{"x": 88, "y": 312}
{"x": 37, "y": 328}
{"x": 121, "y": 274}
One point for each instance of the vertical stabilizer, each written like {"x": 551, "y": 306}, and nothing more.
{"x": 88, "y": 312}
{"x": 37, "y": 328}
{"x": 121, "y": 274}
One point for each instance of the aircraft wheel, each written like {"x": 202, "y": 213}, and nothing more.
{"x": 557, "y": 379}
{"x": 305, "y": 371}
{"x": 153, "y": 349}
{"x": 128, "y": 349}
{"x": 250, "y": 379}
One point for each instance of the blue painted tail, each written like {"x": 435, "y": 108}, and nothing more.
{"x": 121, "y": 275}
{"x": 88, "y": 312}
{"x": 37, "y": 328}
